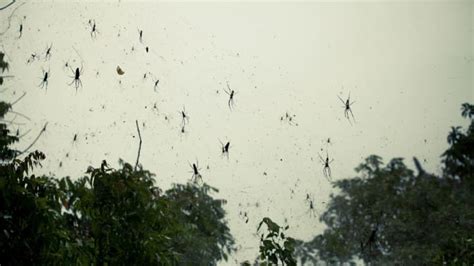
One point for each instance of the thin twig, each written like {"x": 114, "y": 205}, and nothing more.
{"x": 24, "y": 134}
{"x": 9, "y": 4}
{"x": 13, "y": 103}
{"x": 10, "y": 19}
{"x": 139, "y": 145}
{"x": 20, "y": 114}
{"x": 34, "y": 141}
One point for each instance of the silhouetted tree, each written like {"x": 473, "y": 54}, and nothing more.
{"x": 390, "y": 215}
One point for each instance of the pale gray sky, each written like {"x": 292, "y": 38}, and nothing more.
{"x": 407, "y": 66}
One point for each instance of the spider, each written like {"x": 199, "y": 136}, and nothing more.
{"x": 231, "y": 94}
{"x": 326, "y": 168}
{"x": 140, "y": 32}
{"x": 184, "y": 117}
{"x": 47, "y": 55}
{"x": 195, "y": 170}
{"x": 312, "y": 210}
{"x": 156, "y": 84}
{"x": 65, "y": 64}
{"x": 183, "y": 131}
{"x": 371, "y": 241}
{"x": 244, "y": 216}
{"x": 94, "y": 30}
{"x": 225, "y": 148}
{"x": 347, "y": 108}
{"x": 289, "y": 118}
{"x": 44, "y": 81}
{"x": 32, "y": 58}
{"x": 77, "y": 77}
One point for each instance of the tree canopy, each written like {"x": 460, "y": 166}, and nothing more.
{"x": 390, "y": 214}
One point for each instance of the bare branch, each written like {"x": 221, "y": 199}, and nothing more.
{"x": 139, "y": 145}
{"x": 36, "y": 139}
{"x": 17, "y": 100}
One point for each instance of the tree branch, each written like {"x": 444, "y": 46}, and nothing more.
{"x": 139, "y": 145}
{"x": 34, "y": 141}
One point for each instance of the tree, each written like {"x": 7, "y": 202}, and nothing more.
{"x": 31, "y": 227}
{"x": 390, "y": 215}
{"x": 109, "y": 216}
{"x": 122, "y": 218}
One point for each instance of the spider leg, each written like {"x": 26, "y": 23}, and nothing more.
{"x": 350, "y": 110}
{"x": 321, "y": 158}
{"x": 341, "y": 100}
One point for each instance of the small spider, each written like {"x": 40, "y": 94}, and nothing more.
{"x": 347, "y": 108}
{"x": 195, "y": 170}
{"x": 244, "y": 216}
{"x": 94, "y": 30}
{"x": 156, "y": 84}
{"x": 326, "y": 167}
{"x": 76, "y": 78}
{"x": 184, "y": 117}
{"x": 32, "y": 58}
{"x": 140, "y": 32}
{"x": 231, "y": 94}
{"x": 47, "y": 55}
{"x": 65, "y": 64}
{"x": 289, "y": 118}
{"x": 225, "y": 148}
{"x": 44, "y": 81}
{"x": 312, "y": 211}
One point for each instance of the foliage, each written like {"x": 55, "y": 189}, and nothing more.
{"x": 205, "y": 238}
{"x": 276, "y": 247}
{"x": 3, "y": 66}
{"x": 390, "y": 215}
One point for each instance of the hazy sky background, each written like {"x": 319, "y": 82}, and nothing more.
{"x": 407, "y": 66}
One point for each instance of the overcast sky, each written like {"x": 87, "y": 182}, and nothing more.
{"x": 407, "y": 66}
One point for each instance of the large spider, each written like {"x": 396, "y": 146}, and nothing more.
{"x": 76, "y": 78}
{"x": 44, "y": 80}
{"x": 195, "y": 170}
{"x": 347, "y": 108}
{"x": 326, "y": 167}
